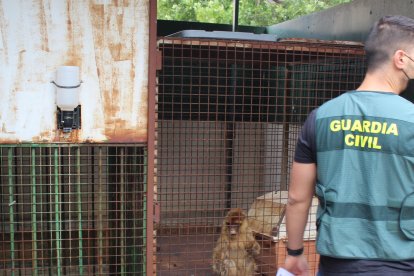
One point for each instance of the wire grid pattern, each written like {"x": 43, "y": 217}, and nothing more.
{"x": 72, "y": 209}
{"x": 228, "y": 116}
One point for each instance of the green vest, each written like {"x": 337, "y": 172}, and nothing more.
{"x": 365, "y": 177}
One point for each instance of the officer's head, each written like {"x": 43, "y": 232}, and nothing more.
{"x": 391, "y": 43}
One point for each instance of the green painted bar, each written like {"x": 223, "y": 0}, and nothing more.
{"x": 34, "y": 213}
{"x": 37, "y": 172}
{"x": 11, "y": 208}
{"x": 51, "y": 221}
{"x": 78, "y": 185}
{"x": 57, "y": 213}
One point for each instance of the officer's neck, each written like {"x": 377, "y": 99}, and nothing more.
{"x": 383, "y": 81}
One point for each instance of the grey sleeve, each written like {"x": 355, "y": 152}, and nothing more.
{"x": 306, "y": 145}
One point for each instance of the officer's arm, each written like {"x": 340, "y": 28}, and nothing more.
{"x": 301, "y": 191}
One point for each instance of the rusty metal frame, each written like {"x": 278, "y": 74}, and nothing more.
{"x": 277, "y": 83}
{"x": 152, "y": 62}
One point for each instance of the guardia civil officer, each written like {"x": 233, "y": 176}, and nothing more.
{"x": 356, "y": 152}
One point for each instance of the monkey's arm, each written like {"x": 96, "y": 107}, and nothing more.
{"x": 253, "y": 246}
{"x": 219, "y": 257}
{"x": 256, "y": 249}
{"x": 253, "y": 249}
{"x": 217, "y": 253}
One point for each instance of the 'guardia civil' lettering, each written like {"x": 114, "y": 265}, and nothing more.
{"x": 360, "y": 129}
{"x": 364, "y": 126}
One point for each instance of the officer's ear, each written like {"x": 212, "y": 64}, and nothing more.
{"x": 399, "y": 59}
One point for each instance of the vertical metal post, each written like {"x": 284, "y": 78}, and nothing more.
{"x": 285, "y": 133}
{"x": 137, "y": 212}
{"x": 122, "y": 215}
{"x": 43, "y": 238}
{"x": 150, "y": 195}
{"x": 92, "y": 247}
{"x": 49, "y": 199}
{"x": 78, "y": 185}
{"x": 68, "y": 212}
{"x": 100, "y": 216}
{"x": 144, "y": 211}
{"x": 114, "y": 257}
{"x": 57, "y": 213}
{"x": 11, "y": 207}
{"x": 229, "y": 135}
{"x": 33, "y": 210}
{"x": 235, "y": 15}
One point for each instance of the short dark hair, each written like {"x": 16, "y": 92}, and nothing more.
{"x": 389, "y": 34}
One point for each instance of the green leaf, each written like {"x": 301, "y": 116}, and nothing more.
{"x": 251, "y": 12}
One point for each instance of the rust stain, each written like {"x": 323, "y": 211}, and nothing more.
{"x": 45, "y": 136}
{"x": 3, "y": 31}
{"x": 43, "y": 28}
{"x": 69, "y": 21}
{"x": 114, "y": 136}
{"x": 115, "y": 49}
{"x": 99, "y": 21}
{"x": 319, "y": 41}
{"x": 71, "y": 137}
{"x": 49, "y": 136}
{"x": 120, "y": 20}
{"x": 110, "y": 33}
{"x": 128, "y": 136}
{"x": 132, "y": 70}
{"x": 143, "y": 109}
{"x": 282, "y": 45}
{"x": 14, "y": 108}
{"x": 73, "y": 56}
{"x": 97, "y": 13}
{"x": 121, "y": 3}
{"x": 20, "y": 71}
{"x": 9, "y": 141}
{"x": 120, "y": 133}
{"x": 120, "y": 36}
{"x": 111, "y": 104}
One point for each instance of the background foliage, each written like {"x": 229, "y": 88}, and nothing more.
{"x": 251, "y": 12}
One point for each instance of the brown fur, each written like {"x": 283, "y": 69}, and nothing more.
{"x": 234, "y": 255}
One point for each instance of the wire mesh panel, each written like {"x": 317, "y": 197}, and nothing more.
{"x": 72, "y": 210}
{"x": 228, "y": 116}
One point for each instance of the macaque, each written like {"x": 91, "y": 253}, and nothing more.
{"x": 236, "y": 248}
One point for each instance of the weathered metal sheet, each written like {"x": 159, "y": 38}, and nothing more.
{"x": 107, "y": 39}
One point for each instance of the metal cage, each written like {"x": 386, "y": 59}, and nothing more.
{"x": 228, "y": 114}
{"x": 71, "y": 209}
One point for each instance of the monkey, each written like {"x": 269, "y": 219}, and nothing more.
{"x": 236, "y": 248}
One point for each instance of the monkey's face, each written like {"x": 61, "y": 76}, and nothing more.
{"x": 234, "y": 222}
{"x": 233, "y": 228}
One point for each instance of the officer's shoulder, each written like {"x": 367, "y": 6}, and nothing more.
{"x": 337, "y": 100}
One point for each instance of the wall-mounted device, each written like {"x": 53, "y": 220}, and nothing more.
{"x": 68, "y": 84}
